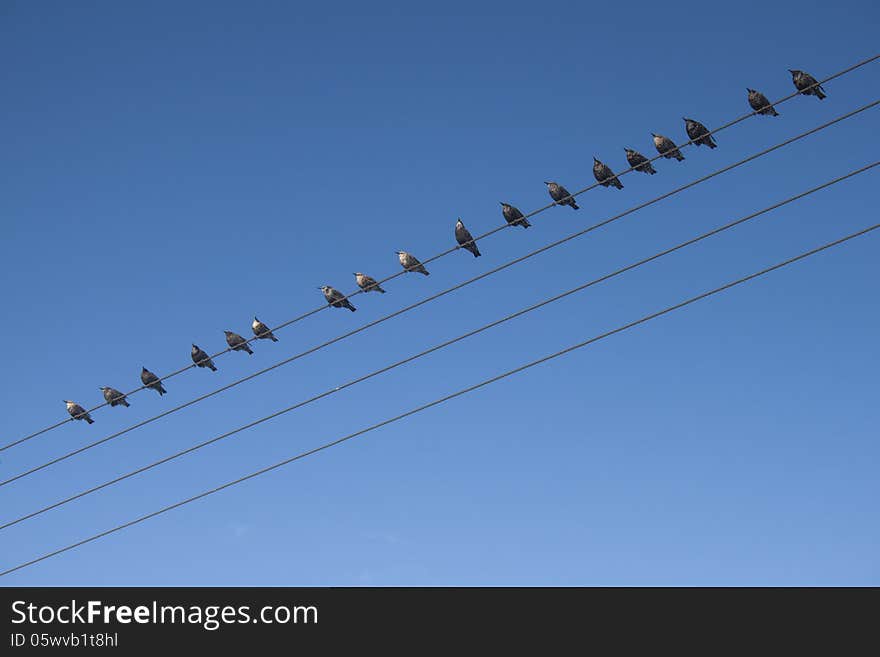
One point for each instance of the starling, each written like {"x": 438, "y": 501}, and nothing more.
{"x": 262, "y": 331}
{"x": 114, "y": 397}
{"x": 513, "y": 216}
{"x": 604, "y": 175}
{"x": 237, "y": 343}
{"x": 638, "y": 161}
{"x": 150, "y": 380}
{"x": 560, "y": 195}
{"x": 760, "y": 104}
{"x": 77, "y": 412}
{"x": 200, "y": 358}
{"x": 698, "y": 133}
{"x": 335, "y": 298}
{"x": 465, "y": 239}
{"x": 807, "y": 84}
{"x": 667, "y": 148}
{"x": 367, "y": 283}
{"x": 411, "y": 263}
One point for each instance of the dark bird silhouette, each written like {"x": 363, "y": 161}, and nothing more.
{"x": 638, "y": 161}
{"x": 698, "y": 133}
{"x": 200, "y": 358}
{"x": 411, "y": 263}
{"x": 513, "y": 216}
{"x": 237, "y": 343}
{"x": 666, "y": 147}
{"x": 807, "y": 84}
{"x": 150, "y": 380}
{"x": 336, "y": 298}
{"x": 262, "y": 331}
{"x": 604, "y": 175}
{"x": 465, "y": 239}
{"x": 77, "y": 412}
{"x": 760, "y": 104}
{"x": 113, "y": 397}
{"x": 560, "y": 195}
{"x": 367, "y": 283}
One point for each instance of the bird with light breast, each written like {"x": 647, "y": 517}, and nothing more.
{"x": 465, "y": 239}
{"x": 666, "y": 147}
{"x": 759, "y": 103}
{"x": 237, "y": 343}
{"x": 638, "y": 161}
{"x": 336, "y": 298}
{"x": 262, "y": 331}
{"x": 604, "y": 175}
{"x": 560, "y": 195}
{"x": 77, "y": 412}
{"x": 410, "y": 263}
{"x": 201, "y": 359}
{"x": 806, "y": 84}
{"x": 367, "y": 283}
{"x": 698, "y": 133}
{"x": 152, "y": 381}
{"x": 113, "y": 397}
{"x": 513, "y": 216}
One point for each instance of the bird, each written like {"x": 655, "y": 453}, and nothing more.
{"x": 114, "y": 397}
{"x": 604, "y": 175}
{"x": 465, "y": 239}
{"x": 77, "y": 412}
{"x": 560, "y": 195}
{"x": 335, "y": 298}
{"x": 367, "y": 283}
{"x": 807, "y": 84}
{"x": 666, "y": 147}
{"x": 150, "y": 380}
{"x": 698, "y": 133}
{"x": 200, "y": 358}
{"x": 262, "y": 331}
{"x": 409, "y": 262}
{"x": 237, "y": 343}
{"x": 638, "y": 161}
{"x": 760, "y": 104}
{"x": 513, "y": 216}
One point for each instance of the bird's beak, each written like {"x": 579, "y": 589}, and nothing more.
{"x": 546, "y": 183}
{"x": 791, "y": 71}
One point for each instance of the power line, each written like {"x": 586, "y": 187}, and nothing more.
{"x": 451, "y": 250}
{"x": 445, "y": 344}
{"x": 441, "y": 293}
{"x": 442, "y": 400}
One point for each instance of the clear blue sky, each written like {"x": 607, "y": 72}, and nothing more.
{"x": 170, "y": 170}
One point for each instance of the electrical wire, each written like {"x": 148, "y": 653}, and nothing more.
{"x": 519, "y": 313}
{"x": 441, "y": 400}
{"x": 451, "y": 250}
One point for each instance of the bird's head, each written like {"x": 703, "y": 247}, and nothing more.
{"x": 794, "y": 72}
{"x": 103, "y": 388}
{"x": 228, "y": 333}
{"x": 751, "y": 91}
{"x": 595, "y": 160}
{"x": 628, "y": 150}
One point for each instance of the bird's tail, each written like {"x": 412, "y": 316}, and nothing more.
{"x": 380, "y": 290}
{"x": 679, "y": 156}
{"x": 350, "y": 307}
{"x": 161, "y": 390}
{"x": 820, "y": 94}
{"x": 651, "y": 170}
{"x": 424, "y": 271}
{"x": 773, "y": 112}
{"x": 273, "y": 338}
{"x": 524, "y": 223}
{"x": 618, "y": 184}
{"x": 125, "y": 403}
{"x": 574, "y": 205}
{"x": 88, "y": 419}
{"x": 475, "y": 250}
{"x": 213, "y": 368}
{"x": 711, "y": 144}
{"x": 249, "y": 350}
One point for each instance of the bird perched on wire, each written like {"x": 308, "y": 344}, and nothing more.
{"x": 604, "y": 175}
{"x": 409, "y": 262}
{"x": 638, "y": 161}
{"x": 150, "y": 380}
{"x": 465, "y": 239}
{"x": 367, "y": 283}
{"x": 237, "y": 343}
{"x": 200, "y": 358}
{"x": 77, "y": 412}
{"x": 760, "y": 104}
{"x": 113, "y": 397}
{"x": 698, "y": 133}
{"x": 336, "y": 298}
{"x": 560, "y": 195}
{"x": 262, "y": 331}
{"x": 513, "y": 216}
{"x": 807, "y": 84}
{"x": 666, "y": 147}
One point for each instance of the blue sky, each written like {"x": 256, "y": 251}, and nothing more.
{"x": 168, "y": 171}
